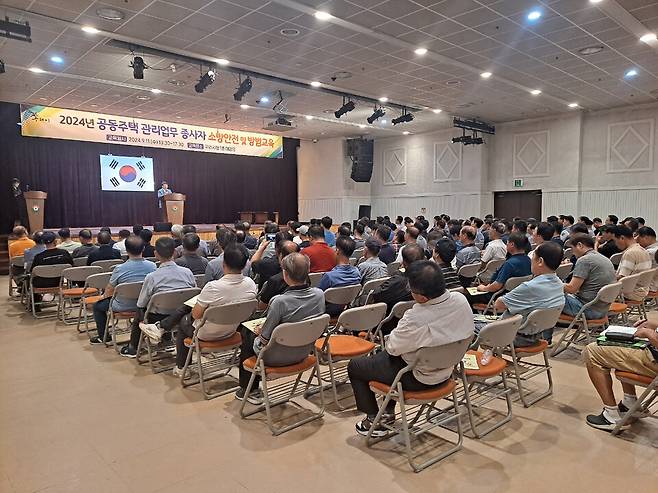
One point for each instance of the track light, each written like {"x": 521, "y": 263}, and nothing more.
{"x": 138, "y": 67}
{"x": 245, "y": 87}
{"x": 378, "y": 113}
{"x": 205, "y": 80}
{"x": 403, "y": 118}
{"x": 346, "y": 108}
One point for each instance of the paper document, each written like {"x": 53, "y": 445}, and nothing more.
{"x": 474, "y": 291}
{"x": 470, "y": 362}
{"x": 253, "y": 324}
{"x": 619, "y": 328}
{"x": 486, "y": 318}
{"x": 191, "y": 302}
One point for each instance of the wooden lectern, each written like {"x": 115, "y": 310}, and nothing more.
{"x": 175, "y": 206}
{"x": 34, "y": 201}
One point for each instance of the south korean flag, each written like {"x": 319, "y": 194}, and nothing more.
{"x": 126, "y": 173}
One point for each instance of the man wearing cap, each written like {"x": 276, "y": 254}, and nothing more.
{"x": 50, "y": 256}
{"x": 164, "y": 190}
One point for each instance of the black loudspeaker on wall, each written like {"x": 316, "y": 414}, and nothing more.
{"x": 360, "y": 151}
{"x": 364, "y": 211}
{"x": 162, "y": 227}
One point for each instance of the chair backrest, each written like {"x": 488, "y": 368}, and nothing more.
{"x": 646, "y": 278}
{"x": 292, "y": 342}
{"x": 315, "y": 278}
{"x": 106, "y": 264}
{"x": 568, "y": 252}
{"x": 128, "y": 290}
{"x": 78, "y": 274}
{"x": 353, "y": 261}
{"x": 200, "y": 280}
{"x": 500, "y": 333}
{"x": 343, "y": 295}
{"x": 393, "y": 267}
{"x": 373, "y": 284}
{"x": 492, "y": 266}
{"x": 514, "y": 282}
{"x": 17, "y": 261}
{"x": 358, "y": 253}
{"x": 168, "y": 301}
{"x": 564, "y": 270}
{"x": 616, "y": 259}
{"x": 124, "y": 256}
{"x": 608, "y": 294}
{"x": 49, "y": 271}
{"x": 468, "y": 270}
{"x": 152, "y": 259}
{"x": 628, "y": 284}
{"x": 401, "y": 307}
{"x": 98, "y": 281}
{"x": 539, "y": 320}
{"x": 362, "y": 317}
{"x": 231, "y": 314}
{"x": 445, "y": 356}
{"x": 79, "y": 261}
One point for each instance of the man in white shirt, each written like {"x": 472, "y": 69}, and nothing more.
{"x": 121, "y": 244}
{"x": 646, "y": 237}
{"x": 440, "y": 317}
{"x": 496, "y": 249}
{"x": 410, "y": 236}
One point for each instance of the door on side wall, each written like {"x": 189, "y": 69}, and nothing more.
{"x": 525, "y": 204}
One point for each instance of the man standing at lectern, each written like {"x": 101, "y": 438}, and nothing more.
{"x": 164, "y": 190}
{"x": 18, "y": 210}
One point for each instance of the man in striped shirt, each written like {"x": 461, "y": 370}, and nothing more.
{"x": 634, "y": 260}
{"x": 444, "y": 252}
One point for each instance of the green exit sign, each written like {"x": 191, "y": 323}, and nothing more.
{"x": 518, "y": 183}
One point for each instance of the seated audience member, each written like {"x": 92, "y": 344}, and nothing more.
{"x": 329, "y": 237}
{"x": 269, "y": 231}
{"x": 299, "y": 302}
{"x": 137, "y": 228}
{"x": 398, "y": 241}
{"x": 543, "y": 234}
{"x": 108, "y": 230}
{"x": 276, "y": 285}
{"x": 190, "y": 257}
{"x": 372, "y": 268}
{"x": 517, "y": 265}
{"x": 396, "y": 288}
{"x": 30, "y": 253}
{"x": 303, "y": 236}
{"x": 215, "y": 268}
{"x": 344, "y": 231}
{"x": 444, "y": 253}
{"x": 634, "y": 260}
{"x": 50, "y": 256}
{"x": 105, "y": 250}
{"x": 359, "y": 239}
{"x": 233, "y": 287}
{"x": 647, "y": 239}
{"x": 135, "y": 269}
{"x": 202, "y": 251}
{"x": 20, "y": 243}
{"x": 344, "y": 274}
{"x": 87, "y": 246}
{"x": 176, "y": 234}
{"x": 250, "y": 241}
{"x": 410, "y": 236}
{"x": 480, "y": 239}
{"x": 640, "y": 221}
{"x": 147, "y": 235}
{"x": 543, "y": 291}
{"x": 632, "y": 224}
{"x": 120, "y": 245}
{"x": 65, "y": 241}
{"x": 421, "y": 226}
{"x": 612, "y": 220}
{"x": 266, "y": 267}
{"x": 597, "y": 224}
{"x": 167, "y": 277}
{"x": 438, "y": 318}
{"x": 601, "y": 359}
{"x": 591, "y": 272}
{"x": 386, "y": 251}
{"x": 495, "y": 249}
{"x": 321, "y": 256}
{"x": 605, "y": 241}
{"x": 567, "y": 223}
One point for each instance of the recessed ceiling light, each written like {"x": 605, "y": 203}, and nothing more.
{"x": 143, "y": 97}
{"x": 139, "y": 112}
{"x": 453, "y": 82}
{"x": 94, "y": 105}
{"x": 178, "y": 117}
{"x": 156, "y": 91}
{"x": 36, "y": 70}
{"x": 362, "y": 126}
{"x": 383, "y": 99}
{"x": 535, "y": 92}
{"x": 309, "y": 117}
{"x": 264, "y": 99}
{"x": 289, "y": 32}
{"x": 322, "y": 15}
{"x": 342, "y": 75}
{"x": 406, "y": 132}
{"x": 595, "y": 1}
{"x": 648, "y": 38}
{"x": 384, "y": 122}
{"x": 437, "y": 111}
{"x": 420, "y": 51}
{"x": 573, "y": 105}
{"x": 534, "y": 15}
{"x": 630, "y": 73}
{"x": 222, "y": 61}
{"x": 485, "y": 75}
{"x": 56, "y": 59}
{"x": 90, "y": 30}
{"x": 590, "y": 50}
{"x": 110, "y": 14}
{"x": 176, "y": 82}
{"x": 244, "y": 106}
{"x": 315, "y": 83}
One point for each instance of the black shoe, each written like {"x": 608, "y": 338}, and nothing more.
{"x": 600, "y": 422}
{"x": 128, "y": 352}
{"x": 255, "y": 397}
{"x": 363, "y": 427}
{"x": 96, "y": 341}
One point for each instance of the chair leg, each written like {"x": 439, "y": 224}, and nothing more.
{"x": 635, "y": 407}
{"x": 577, "y": 328}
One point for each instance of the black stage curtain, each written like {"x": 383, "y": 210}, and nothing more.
{"x": 217, "y": 186}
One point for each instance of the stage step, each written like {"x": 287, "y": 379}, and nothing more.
{"x": 4, "y": 254}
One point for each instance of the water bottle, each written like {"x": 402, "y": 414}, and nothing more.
{"x": 486, "y": 357}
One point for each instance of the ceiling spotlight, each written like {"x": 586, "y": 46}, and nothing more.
{"x": 138, "y": 67}
{"x": 56, "y": 59}
{"x": 264, "y": 99}
{"x": 205, "y": 80}
{"x": 403, "y": 118}
{"x": 36, "y": 70}
{"x": 156, "y": 91}
{"x": 485, "y": 75}
{"x": 315, "y": 83}
{"x": 573, "y": 105}
{"x": 244, "y": 88}
{"x": 362, "y": 126}
{"x": 420, "y": 51}
{"x": 590, "y": 50}
{"x": 406, "y": 132}
{"x": 535, "y": 92}
{"x": 631, "y": 73}
{"x": 383, "y": 99}
{"x": 648, "y": 38}
{"x": 534, "y": 15}
{"x": 309, "y": 117}
{"x": 377, "y": 114}
{"x": 222, "y": 61}
{"x": 595, "y": 1}
{"x": 346, "y": 108}
{"x": 90, "y": 30}
{"x": 383, "y": 122}
{"x": 110, "y": 14}
{"x": 436, "y": 111}
{"x": 322, "y": 15}
{"x": 244, "y": 106}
